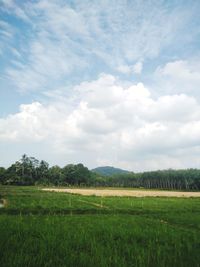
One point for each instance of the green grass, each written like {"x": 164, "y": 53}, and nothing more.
{"x": 40, "y": 228}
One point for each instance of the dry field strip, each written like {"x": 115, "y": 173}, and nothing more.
{"x": 124, "y": 192}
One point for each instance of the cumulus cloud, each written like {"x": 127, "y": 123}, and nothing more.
{"x": 50, "y": 47}
{"x": 106, "y": 123}
{"x": 181, "y": 76}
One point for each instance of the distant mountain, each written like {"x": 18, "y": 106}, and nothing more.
{"x": 107, "y": 170}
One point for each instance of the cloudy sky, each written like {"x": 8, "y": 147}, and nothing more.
{"x": 113, "y": 82}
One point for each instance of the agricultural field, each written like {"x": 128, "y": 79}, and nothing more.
{"x": 45, "y": 229}
{"x": 103, "y": 192}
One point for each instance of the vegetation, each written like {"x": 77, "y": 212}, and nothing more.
{"x": 30, "y": 171}
{"x": 109, "y": 171}
{"x": 41, "y": 228}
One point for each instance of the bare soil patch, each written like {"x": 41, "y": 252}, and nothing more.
{"x": 124, "y": 192}
{"x": 3, "y": 203}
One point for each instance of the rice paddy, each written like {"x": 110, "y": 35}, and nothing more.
{"x": 41, "y": 228}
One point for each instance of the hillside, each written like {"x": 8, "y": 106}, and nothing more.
{"x": 107, "y": 170}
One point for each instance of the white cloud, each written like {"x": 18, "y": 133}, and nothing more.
{"x": 6, "y": 34}
{"x": 124, "y": 69}
{"x": 104, "y": 122}
{"x": 11, "y": 7}
{"x": 137, "y": 68}
{"x": 66, "y": 40}
{"x": 181, "y": 70}
{"x": 179, "y": 76}
{"x": 132, "y": 69}
{"x": 58, "y": 44}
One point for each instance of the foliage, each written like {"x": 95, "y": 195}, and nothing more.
{"x": 30, "y": 171}
{"x": 109, "y": 171}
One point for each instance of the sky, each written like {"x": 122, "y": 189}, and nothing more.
{"x": 113, "y": 82}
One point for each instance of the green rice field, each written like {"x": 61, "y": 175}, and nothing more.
{"x": 47, "y": 229}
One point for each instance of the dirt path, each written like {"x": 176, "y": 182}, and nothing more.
{"x": 125, "y": 193}
{"x": 94, "y": 204}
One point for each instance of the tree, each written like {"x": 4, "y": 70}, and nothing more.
{"x": 75, "y": 174}
{"x": 43, "y": 171}
{"x": 55, "y": 175}
{"x": 2, "y": 175}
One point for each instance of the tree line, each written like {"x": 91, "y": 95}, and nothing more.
{"x": 30, "y": 171}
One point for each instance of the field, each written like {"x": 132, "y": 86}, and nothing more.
{"x": 41, "y": 228}
{"x": 123, "y": 193}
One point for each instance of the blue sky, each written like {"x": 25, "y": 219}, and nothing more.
{"x": 101, "y": 82}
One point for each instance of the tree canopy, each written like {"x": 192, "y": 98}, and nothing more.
{"x": 31, "y": 171}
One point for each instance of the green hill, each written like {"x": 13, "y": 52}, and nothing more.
{"x": 108, "y": 171}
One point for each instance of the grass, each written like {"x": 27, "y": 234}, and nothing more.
{"x": 41, "y": 228}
